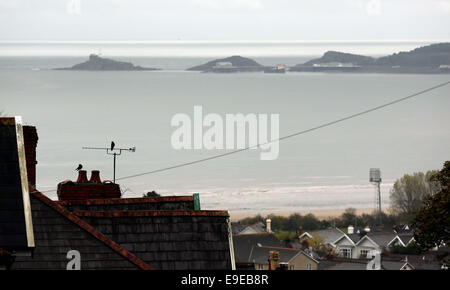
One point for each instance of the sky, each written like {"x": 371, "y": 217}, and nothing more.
{"x": 224, "y": 20}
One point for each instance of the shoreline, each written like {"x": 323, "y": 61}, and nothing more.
{"x": 320, "y": 214}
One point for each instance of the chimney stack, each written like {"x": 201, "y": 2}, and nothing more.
{"x": 268, "y": 225}
{"x": 83, "y": 189}
{"x": 367, "y": 229}
{"x": 82, "y": 176}
{"x": 30, "y": 138}
{"x": 350, "y": 230}
{"x": 274, "y": 260}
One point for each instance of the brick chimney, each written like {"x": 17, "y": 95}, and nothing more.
{"x": 30, "y": 138}
{"x": 84, "y": 189}
{"x": 274, "y": 260}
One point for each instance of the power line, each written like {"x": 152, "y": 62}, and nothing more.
{"x": 290, "y": 135}
{"x": 285, "y": 137}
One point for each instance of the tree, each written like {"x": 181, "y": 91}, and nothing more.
{"x": 349, "y": 217}
{"x": 432, "y": 222}
{"x": 316, "y": 242}
{"x": 408, "y": 193}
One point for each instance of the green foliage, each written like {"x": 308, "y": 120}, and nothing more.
{"x": 252, "y": 220}
{"x": 285, "y": 235}
{"x": 410, "y": 249}
{"x": 408, "y": 193}
{"x": 283, "y": 225}
{"x": 432, "y": 222}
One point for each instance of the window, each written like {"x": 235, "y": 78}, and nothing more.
{"x": 364, "y": 253}
{"x": 308, "y": 266}
{"x": 260, "y": 267}
{"x": 291, "y": 267}
{"x": 347, "y": 253}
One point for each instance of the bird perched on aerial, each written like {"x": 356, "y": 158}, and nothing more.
{"x": 112, "y": 145}
{"x": 79, "y": 167}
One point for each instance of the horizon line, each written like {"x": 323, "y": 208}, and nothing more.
{"x": 222, "y": 41}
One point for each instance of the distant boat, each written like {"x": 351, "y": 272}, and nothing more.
{"x": 278, "y": 69}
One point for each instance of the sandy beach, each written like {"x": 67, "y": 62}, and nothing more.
{"x": 321, "y": 214}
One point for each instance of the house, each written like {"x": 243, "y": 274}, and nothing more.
{"x": 426, "y": 261}
{"x": 365, "y": 243}
{"x": 255, "y": 228}
{"x": 243, "y": 245}
{"x": 92, "y": 227}
{"x": 291, "y": 259}
{"x": 329, "y": 236}
{"x": 374, "y": 243}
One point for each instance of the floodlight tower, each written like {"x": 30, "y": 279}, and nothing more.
{"x": 375, "y": 178}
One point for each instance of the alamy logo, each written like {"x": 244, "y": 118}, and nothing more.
{"x": 74, "y": 258}
{"x": 73, "y": 7}
{"x": 237, "y": 131}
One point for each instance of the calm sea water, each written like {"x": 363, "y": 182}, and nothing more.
{"x": 325, "y": 169}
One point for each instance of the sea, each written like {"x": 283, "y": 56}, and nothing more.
{"x": 326, "y": 169}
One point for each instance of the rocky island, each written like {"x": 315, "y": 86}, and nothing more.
{"x": 431, "y": 59}
{"x": 97, "y": 63}
{"x": 230, "y": 64}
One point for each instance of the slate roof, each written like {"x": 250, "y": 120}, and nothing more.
{"x": 324, "y": 264}
{"x": 128, "y": 239}
{"x": 382, "y": 239}
{"x": 355, "y": 237}
{"x": 255, "y": 228}
{"x": 57, "y": 231}
{"x": 260, "y": 255}
{"x": 243, "y": 244}
{"x": 343, "y": 264}
{"x": 406, "y": 237}
{"x": 431, "y": 265}
{"x": 347, "y": 266}
{"x": 168, "y": 239}
{"x": 236, "y": 228}
{"x": 392, "y": 265}
{"x": 329, "y": 235}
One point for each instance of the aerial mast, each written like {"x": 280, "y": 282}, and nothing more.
{"x": 112, "y": 151}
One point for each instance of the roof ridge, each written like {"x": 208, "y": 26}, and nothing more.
{"x": 145, "y": 213}
{"x": 253, "y": 234}
{"x": 133, "y": 200}
{"x": 280, "y": 248}
{"x": 90, "y": 229}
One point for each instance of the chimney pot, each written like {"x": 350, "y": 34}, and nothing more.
{"x": 95, "y": 176}
{"x": 350, "y": 229}
{"x": 82, "y": 176}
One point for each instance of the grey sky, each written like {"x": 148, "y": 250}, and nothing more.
{"x": 224, "y": 19}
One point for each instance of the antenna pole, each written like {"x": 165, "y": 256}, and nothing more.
{"x": 111, "y": 152}
{"x": 114, "y": 172}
